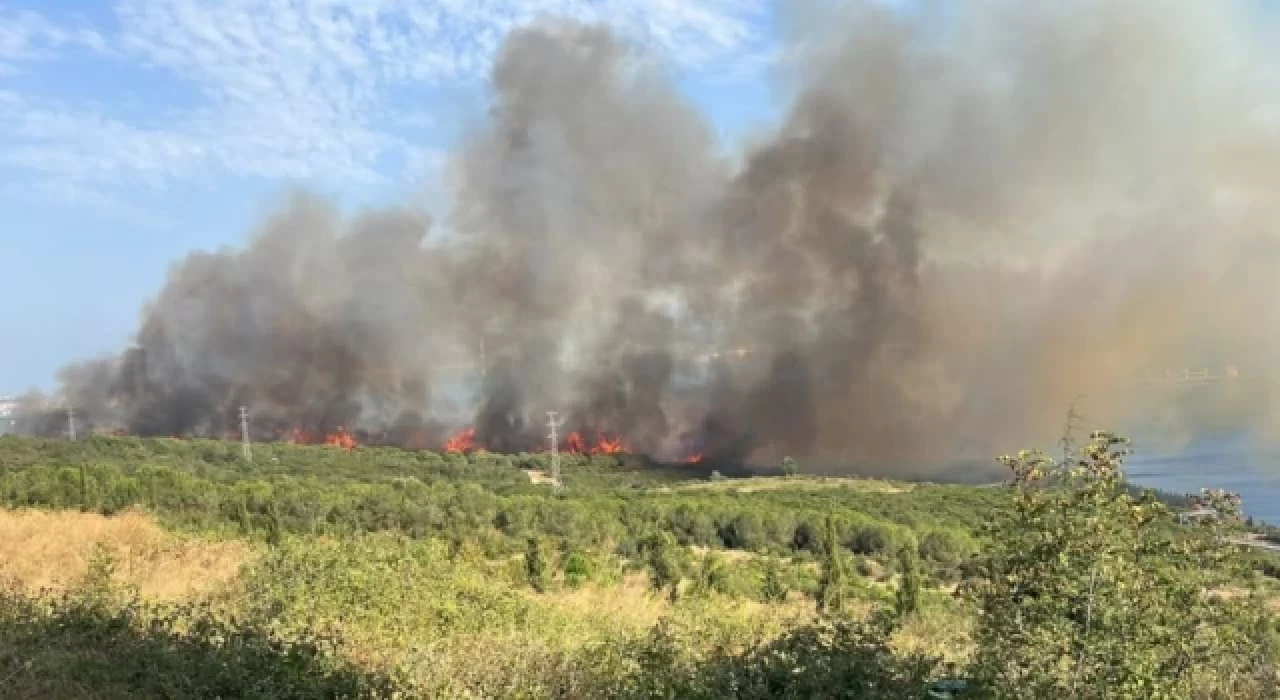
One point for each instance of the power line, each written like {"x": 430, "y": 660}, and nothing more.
{"x": 244, "y": 434}
{"x": 1068, "y": 434}
{"x": 553, "y": 424}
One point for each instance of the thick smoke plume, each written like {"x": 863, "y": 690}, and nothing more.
{"x": 964, "y": 222}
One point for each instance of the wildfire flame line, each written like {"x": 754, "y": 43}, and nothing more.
{"x": 464, "y": 441}
{"x": 341, "y": 437}
{"x": 574, "y": 443}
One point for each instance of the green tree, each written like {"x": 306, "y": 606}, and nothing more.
{"x": 243, "y": 518}
{"x": 274, "y": 532}
{"x": 666, "y": 562}
{"x": 535, "y": 564}
{"x": 788, "y": 467}
{"x": 1089, "y": 591}
{"x": 831, "y": 591}
{"x": 84, "y": 488}
{"x": 907, "y": 598}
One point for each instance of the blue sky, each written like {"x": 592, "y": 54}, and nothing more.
{"x": 134, "y": 131}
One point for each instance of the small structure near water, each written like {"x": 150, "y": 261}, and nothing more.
{"x": 1196, "y": 514}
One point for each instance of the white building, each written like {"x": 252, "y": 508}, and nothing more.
{"x": 8, "y": 411}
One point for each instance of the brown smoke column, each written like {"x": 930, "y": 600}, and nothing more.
{"x": 964, "y": 222}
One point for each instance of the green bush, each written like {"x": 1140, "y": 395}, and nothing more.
{"x": 577, "y": 569}
{"x": 743, "y": 531}
{"x": 535, "y": 565}
{"x": 1089, "y": 591}
{"x": 945, "y": 547}
{"x": 870, "y": 540}
{"x": 773, "y": 588}
{"x": 711, "y": 576}
{"x": 62, "y": 646}
{"x": 834, "y": 658}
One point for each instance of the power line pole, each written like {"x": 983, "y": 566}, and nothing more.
{"x": 71, "y": 423}
{"x": 553, "y": 424}
{"x": 1068, "y": 433}
{"x": 244, "y": 434}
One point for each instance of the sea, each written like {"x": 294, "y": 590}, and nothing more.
{"x": 1232, "y": 462}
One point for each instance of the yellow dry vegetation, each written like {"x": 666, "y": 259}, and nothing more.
{"x": 537, "y": 476}
{"x": 629, "y": 604}
{"x": 51, "y": 549}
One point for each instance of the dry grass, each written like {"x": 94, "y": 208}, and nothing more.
{"x": 44, "y": 549}
{"x": 937, "y": 633}
{"x": 629, "y": 605}
{"x": 731, "y": 555}
{"x": 539, "y": 477}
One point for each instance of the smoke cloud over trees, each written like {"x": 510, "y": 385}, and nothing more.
{"x": 962, "y": 223}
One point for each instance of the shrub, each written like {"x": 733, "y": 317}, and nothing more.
{"x": 62, "y": 646}
{"x": 833, "y": 658}
{"x": 870, "y": 540}
{"x": 693, "y": 527}
{"x": 577, "y": 569}
{"x": 773, "y": 589}
{"x": 944, "y": 547}
{"x": 666, "y": 562}
{"x": 711, "y": 576}
{"x": 806, "y": 538}
{"x": 743, "y": 531}
{"x": 1088, "y": 591}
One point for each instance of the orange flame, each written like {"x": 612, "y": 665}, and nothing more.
{"x": 342, "y": 439}
{"x": 464, "y": 441}
{"x": 576, "y": 444}
{"x": 610, "y": 447}
{"x": 694, "y": 458}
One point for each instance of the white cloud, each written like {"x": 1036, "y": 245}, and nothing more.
{"x": 296, "y": 89}
{"x": 27, "y": 36}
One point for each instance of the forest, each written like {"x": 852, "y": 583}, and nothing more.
{"x": 323, "y": 571}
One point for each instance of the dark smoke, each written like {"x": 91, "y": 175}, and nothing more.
{"x": 961, "y": 225}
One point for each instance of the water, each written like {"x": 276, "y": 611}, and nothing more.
{"x": 1231, "y": 463}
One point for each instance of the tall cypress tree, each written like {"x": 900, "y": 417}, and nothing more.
{"x": 907, "y": 601}
{"x": 834, "y": 571}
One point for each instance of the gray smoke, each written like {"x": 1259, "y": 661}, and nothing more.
{"x": 964, "y": 222}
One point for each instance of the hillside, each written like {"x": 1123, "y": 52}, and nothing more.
{"x": 205, "y": 485}
{"x": 322, "y": 571}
